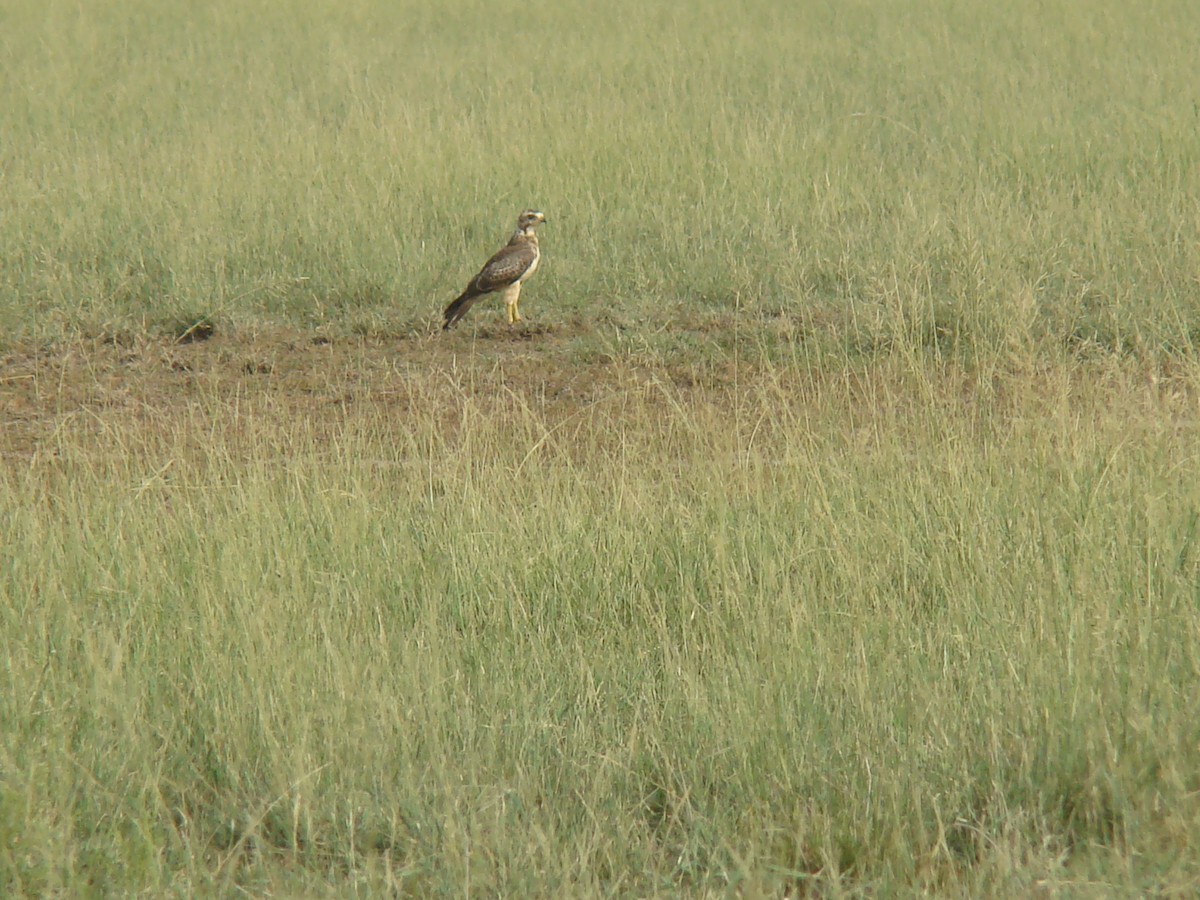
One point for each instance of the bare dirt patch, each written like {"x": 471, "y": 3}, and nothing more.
{"x": 155, "y": 383}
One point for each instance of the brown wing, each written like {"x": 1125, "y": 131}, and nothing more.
{"x": 505, "y": 267}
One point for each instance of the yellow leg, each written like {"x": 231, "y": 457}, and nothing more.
{"x": 511, "y": 298}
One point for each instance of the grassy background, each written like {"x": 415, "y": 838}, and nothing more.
{"x": 895, "y": 592}
{"x": 937, "y": 169}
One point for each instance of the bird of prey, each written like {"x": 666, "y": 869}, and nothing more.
{"x": 505, "y": 272}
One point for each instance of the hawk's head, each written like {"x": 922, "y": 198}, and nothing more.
{"x": 529, "y": 220}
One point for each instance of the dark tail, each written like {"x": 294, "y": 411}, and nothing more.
{"x": 458, "y": 308}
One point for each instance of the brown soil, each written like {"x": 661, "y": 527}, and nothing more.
{"x": 101, "y": 384}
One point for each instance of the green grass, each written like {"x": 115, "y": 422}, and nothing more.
{"x": 870, "y": 569}
{"x": 944, "y": 169}
{"x": 888, "y": 641}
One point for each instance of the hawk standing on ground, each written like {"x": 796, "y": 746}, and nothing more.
{"x": 504, "y": 272}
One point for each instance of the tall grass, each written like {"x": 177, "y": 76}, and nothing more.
{"x": 845, "y": 578}
{"x": 891, "y": 640}
{"x": 952, "y": 171}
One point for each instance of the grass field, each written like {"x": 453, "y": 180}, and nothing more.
{"x": 831, "y": 528}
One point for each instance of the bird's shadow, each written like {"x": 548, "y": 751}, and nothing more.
{"x": 503, "y": 333}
